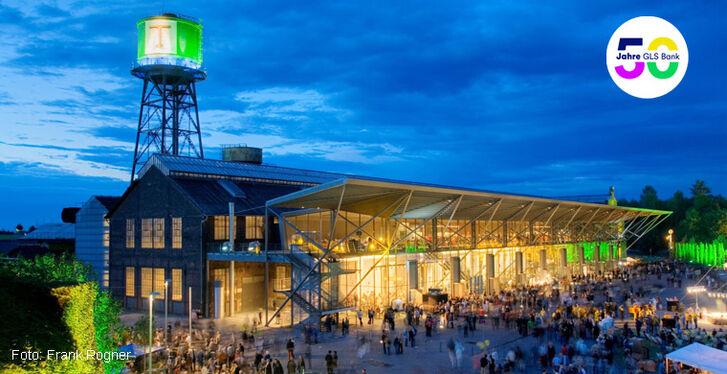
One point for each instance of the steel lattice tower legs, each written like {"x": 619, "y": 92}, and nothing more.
{"x": 168, "y": 119}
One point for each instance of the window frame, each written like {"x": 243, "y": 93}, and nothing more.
{"x": 254, "y": 227}
{"x": 146, "y": 289}
{"x": 177, "y": 232}
{"x": 130, "y": 233}
{"x": 130, "y": 292}
{"x": 177, "y": 293}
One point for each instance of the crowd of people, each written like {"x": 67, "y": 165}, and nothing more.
{"x": 585, "y": 324}
{"x": 574, "y": 323}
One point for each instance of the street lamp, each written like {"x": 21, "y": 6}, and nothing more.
{"x": 696, "y": 290}
{"x": 151, "y": 307}
{"x": 670, "y": 238}
{"x": 166, "y": 302}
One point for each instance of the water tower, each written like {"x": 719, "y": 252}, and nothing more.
{"x": 169, "y": 61}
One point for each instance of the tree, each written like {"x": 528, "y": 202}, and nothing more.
{"x": 52, "y": 270}
{"x": 649, "y": 199}
{"x": 19, "y": 227}
{"x": 700, "y": 188}
{"x": 702, "y": 218}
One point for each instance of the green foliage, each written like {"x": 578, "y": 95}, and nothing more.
{"x": 51, "y": 270}
{"x": 40, "y": 367}
{"x": 109, "y": 328}
{"x": 141, "y": 330}
{"x": 701, "y": 218}
{"x": 48, "y": 303}
{"x": 77, "y": 303}
{"x": 30, "y": 316}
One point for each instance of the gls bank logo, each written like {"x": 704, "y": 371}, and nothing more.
{"x": 647, "y": 57}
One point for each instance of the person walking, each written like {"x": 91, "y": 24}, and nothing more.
{"x": 292, "y": 367}
{"x": 301, "y": 365}
{"x": 329, "y": 362}
{"x": 384, "y": 338}
{"x": 483, "y": 364}
{"x": 412, "y": 334}
{"x": 359, "y": 315}
{"x": 291, "y": 348}
{"x": 277, "y": 367}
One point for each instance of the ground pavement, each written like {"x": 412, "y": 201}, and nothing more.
{"x": 430, "y": 354}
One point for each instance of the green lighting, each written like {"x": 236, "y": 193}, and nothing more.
{"x": 710, "y": 254}
{"x": 589, "y": 248}
{"x": 170, "y": 37}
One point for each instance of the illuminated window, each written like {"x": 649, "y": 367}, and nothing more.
{"x": 159, "y": 282}
{"x": 129, "y": 233}
{"x": 105, "y": 278}
{"x": 146, "y": 232}
{"x": 222, "y": 229}
{"x": 254, "y": 227}
{"x": 129, "y": 281}
{"x": 106, "y": 237}
{"x": 177, "y": 284}
{"x": 177, "y": 232}
{"x": 158, "y": 232}
{"x": 146, "y": 281}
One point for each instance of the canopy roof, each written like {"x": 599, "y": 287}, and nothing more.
{"x": 701, "y": 357}
{"x": 371, "y": 196}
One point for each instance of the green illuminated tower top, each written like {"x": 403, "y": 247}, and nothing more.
{"x": 169, "y": 39}
{"x": 169, "y": 61}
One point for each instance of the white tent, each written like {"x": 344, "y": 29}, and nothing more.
{"x": 701, "y": 357}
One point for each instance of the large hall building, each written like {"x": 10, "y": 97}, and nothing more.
{"x": 241, "y": 236}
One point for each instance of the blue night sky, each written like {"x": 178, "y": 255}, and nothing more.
{"x": 504, "y": 96}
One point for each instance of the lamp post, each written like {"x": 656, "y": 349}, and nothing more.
{"x": 190, "y": 316}
{"x": 166, "y": 303}
{"x": 696, "y": 290}
{"x": 151, "y": 308}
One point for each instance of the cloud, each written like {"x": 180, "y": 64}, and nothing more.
{"x": 503, "y": 96}
{"x": 285, "y": 103}
{"x": 69, "y": 162}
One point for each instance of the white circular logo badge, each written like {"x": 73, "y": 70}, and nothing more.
{"x": 647, "y": 57}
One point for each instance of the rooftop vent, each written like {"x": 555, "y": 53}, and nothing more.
{"x": 242, "y": 153}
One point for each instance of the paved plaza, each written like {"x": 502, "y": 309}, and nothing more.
{"x": 361, "y": 348}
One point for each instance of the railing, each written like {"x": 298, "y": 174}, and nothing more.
{"x": 254, "y": 246}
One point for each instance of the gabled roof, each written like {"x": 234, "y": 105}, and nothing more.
{"x": 208, "y": 168}
{"x": 108, "y": 201}
{"x": 212, "y": 197}
{"x": 50, "y": 231}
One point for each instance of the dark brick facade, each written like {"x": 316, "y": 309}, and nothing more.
{"x": 155, "y": 196}
{"x": 197, "y": 201}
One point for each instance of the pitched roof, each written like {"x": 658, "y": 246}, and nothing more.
{"x": 108, "y": 201}
{"x": 52, "y": 231}
{"x": 212, "y": 196}
{"x": 209, "y": 168}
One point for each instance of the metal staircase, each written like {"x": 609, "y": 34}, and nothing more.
{"x": 318, "y": 294}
